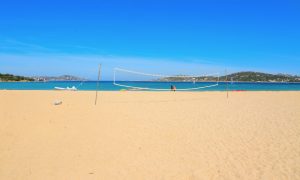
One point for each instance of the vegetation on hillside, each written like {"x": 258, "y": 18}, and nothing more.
{"x": 262, "y": 77}
{"x": 10, "y": 77}
{"x": 240, "y": 77}
{"x": 237, "y": 77}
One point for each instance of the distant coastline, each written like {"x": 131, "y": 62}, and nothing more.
{"x": 17, "y": 78}
{"x": 241, "y": 77}
{"x": 253, "y": 77}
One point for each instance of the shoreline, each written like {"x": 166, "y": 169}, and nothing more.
{"x": 209, "y": 91}
{"x": 254, "y": 82}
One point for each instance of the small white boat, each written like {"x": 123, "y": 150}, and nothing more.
{"x": 66, "y": 89}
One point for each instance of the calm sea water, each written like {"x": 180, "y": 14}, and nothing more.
{"x": 109, "y": 86}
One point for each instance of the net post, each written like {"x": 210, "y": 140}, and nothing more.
{"x": 99, "y": 76}
{"x": 226, "y": 83}
{"x": 114, "y": 75}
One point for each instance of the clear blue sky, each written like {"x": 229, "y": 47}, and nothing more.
{"x": 59, "y": 37}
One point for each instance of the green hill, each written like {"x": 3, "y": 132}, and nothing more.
{"x": 240, "y": 77}
{"x": 261, "y": 77}
{"x": 10, "y": 77}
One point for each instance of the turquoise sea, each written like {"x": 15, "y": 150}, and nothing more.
{"x": 109, "y": 86}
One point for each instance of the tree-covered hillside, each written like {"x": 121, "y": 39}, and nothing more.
{"x": 240, "y": 77}
{"x": 261, "y": 77}
{"x": 10, "y": 77}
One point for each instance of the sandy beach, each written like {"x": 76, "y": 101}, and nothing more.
{"x": 149, "y": 135}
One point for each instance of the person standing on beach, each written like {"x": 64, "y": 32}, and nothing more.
{"x": 173, "y": 88}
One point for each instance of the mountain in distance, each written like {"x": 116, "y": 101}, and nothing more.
{"x": 16, "y": 78}
{"x": 248, "y": 76}
{"x": 58, "y": 78}
{"x": 236, "y": 77}
{"x": 261, "y": 77}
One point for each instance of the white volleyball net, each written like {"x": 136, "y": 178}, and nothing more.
{"x": 134, "y": 80}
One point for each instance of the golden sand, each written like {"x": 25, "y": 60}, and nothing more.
{"x": 149, "y": 135}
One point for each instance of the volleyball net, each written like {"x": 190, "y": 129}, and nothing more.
{"x": 135, "y": 80}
